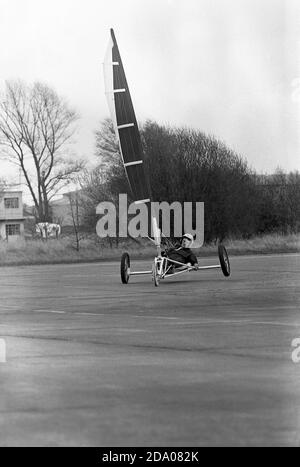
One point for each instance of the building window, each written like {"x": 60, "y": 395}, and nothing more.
{"x": 13, "y": 229}
{"x": 11, "y": 203}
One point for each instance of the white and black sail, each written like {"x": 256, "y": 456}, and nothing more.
{"x": 125, "y": 123}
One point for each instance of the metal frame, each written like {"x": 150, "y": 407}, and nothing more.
{"x": 162, "y": 265}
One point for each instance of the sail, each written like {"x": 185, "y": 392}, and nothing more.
{"x": 125, "y": 123}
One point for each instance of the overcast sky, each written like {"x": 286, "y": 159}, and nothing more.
{"x": 227, "y": 67}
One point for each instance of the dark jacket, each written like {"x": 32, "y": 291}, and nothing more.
{"x": 182, "y": 255}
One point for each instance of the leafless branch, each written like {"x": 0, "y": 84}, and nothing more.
{"x": 35, "y": 127}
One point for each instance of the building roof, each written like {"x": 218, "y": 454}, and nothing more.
{"x": 64, "y": 200}
{"x": 11, "y": 192}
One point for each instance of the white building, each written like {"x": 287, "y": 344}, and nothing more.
{"x": 11, "y": 214}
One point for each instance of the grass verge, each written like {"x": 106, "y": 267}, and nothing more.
{"x": 29, "y": 252}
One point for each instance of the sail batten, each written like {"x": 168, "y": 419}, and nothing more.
{"x": 126, "y": 125}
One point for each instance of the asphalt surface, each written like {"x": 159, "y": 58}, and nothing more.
{"x": 201, "y": 360}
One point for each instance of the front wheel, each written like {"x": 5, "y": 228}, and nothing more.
{"x": 224, "y": 260}
{"x": 125, "y": 268}
{"x": 155, "y": 275}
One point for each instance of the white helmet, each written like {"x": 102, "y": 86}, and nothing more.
{"x": 188, "y": 237}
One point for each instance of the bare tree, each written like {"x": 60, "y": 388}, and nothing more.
{"x": 76, "y": 214}
{"x": 36, "y": 126}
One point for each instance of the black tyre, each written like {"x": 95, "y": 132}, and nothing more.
{"x": 125, "y": 268}
{"x": 224, "y": 260}
{"x": 155, "y": 275}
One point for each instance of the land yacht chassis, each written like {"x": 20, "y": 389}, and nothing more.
{"x": 164, "y": 267}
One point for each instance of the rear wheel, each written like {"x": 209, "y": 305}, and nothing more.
{"x": 125, "y": 268}
{"x": 224, "y": 260}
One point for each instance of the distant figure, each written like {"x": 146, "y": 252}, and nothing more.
{"x": 47, "y": 230}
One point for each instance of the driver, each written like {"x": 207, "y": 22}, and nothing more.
{"x": 183, "y": 254}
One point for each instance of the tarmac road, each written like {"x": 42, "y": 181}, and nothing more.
{"x": 202, "y": 360}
